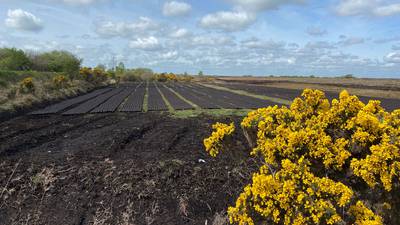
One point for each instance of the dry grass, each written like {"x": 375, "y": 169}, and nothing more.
{"x": 102, "y": 216}
{"x": 183, "y": 206}
{"x": 150, "y": 215}
{"x": 219, "y": 219}
{"x": 384, "y": 88}
{"x": 12, "y": 97}
{"x": 355, "y": 91}
{"x": 322, "y": 80}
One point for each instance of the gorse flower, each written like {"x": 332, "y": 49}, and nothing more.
{"x": 314, "y": 151}
{"x": 214, "y": 143}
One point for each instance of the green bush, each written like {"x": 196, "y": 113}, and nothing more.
{"x": 14, "y": 59}
{"x": 57, "y": 61}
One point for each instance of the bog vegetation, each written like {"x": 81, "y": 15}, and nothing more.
{"x": 322, "y": 162}
{"x": 28, "y": 78}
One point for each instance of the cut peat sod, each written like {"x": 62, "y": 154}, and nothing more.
{"x": 125, "y": 168}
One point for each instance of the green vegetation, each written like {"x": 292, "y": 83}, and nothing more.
{"x": 28, "y": 79}
{"x": 209, "y": 112}
{"x": 137, "y": 74}
{"x": 56, "y": 61}
{"x": 146, "y": 99}
{"x": 348, "y": 76}
{"x": 14, "y": 59}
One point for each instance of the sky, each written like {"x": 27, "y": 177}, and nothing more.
{"x": 221, "y": 37}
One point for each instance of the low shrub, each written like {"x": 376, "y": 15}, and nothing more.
{"x": 27, "y": 85}
{"x": 60, "y": 81}
{"x": 322, "y": 162}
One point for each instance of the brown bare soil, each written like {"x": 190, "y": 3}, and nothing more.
{"x": 387, "y": 88}
{"x": 137, "y": 168}
{"x": 366, "y": 83}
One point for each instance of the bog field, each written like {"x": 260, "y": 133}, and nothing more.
{"x": 133, "y": 153}
{"x": 157, "y": 96}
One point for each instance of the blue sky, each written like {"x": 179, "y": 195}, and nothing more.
{"x": 226, "y": 37}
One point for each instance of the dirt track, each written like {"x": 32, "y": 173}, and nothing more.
{"x": 114, "y": 168}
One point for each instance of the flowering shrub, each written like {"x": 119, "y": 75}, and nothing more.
{"x": 93, "y": 75}
{"x": 27, "y": 85}
{"x": 321, "y": 161}
{"x": 86, "y": 73}
{"x": 214, "y": 142}
{"x": 60, "y": 81}
{"x": 163, "y": 77}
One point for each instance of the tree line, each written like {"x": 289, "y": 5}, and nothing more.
{"x": 54, "y": 61}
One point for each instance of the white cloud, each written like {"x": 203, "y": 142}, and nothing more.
{"x": 396, "y": 47}
{"x": 367, "y": 7}
{"x": 319, "y": 45}
{"x": 255, "y": 43}
{"x": 180, "y": 33}
{"x": 125, "y": 29}
{"x": 387, "y": 40}
{"x": 393, "y": 57}
{"x": 348, "y": 41}
{"x": 212, "y": 41}
{"x": 260, "y": 5}
{"x": 316, "y": 31}
{"x": 175, "y": 8}
{"x": 150, "y": 43}
{"x": 169, "y": 55}
{"x": 387, "y": 10}
{"x": 22, "y": 20}
{"x": 228, "y": 20}
{"x": 79, "y": 2}
{"x": 3, "y": 43}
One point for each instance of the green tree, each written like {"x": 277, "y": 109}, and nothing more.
{"x": 201, "y": 73}
{"x": 14, "y": 59}
{"x": 101, "y": 67}
{"x": 58, "y": 61}
{"x": 120, "y": 68}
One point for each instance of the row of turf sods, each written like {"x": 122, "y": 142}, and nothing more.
{"x": 175, "y": 101}
{"x": 93, "y": 103}
{"x": 154, "y": 96}
{"x": 155, "y": 100}
{"x": 71, "y": 102}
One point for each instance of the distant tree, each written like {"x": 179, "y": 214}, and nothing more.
{"x": 348, "y": 76}
{"x": 111, "y": 73}
{"x": 57, "y": 61}
{"x": 185, "y": 74}
{"x": 14, "y": 59}
{"x": 200, "y": 73}
{"x": 101, "y": 67}
{"x": 120, "y": 68}
{"x": 144, "y": 73}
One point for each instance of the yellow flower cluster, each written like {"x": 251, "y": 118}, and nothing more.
{"x": 213, "y": 144}
{"x": 293, "y": 195}
{"x": 60, "y": 80}
{"x": 27, "y": 84}
{"x": 363, "y": 215}
{"x": 311, "y": 150}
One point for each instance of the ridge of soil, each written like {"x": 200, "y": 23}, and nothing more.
{"x": 117, "y": 168}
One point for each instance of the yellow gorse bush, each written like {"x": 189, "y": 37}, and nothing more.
{"x": 27, "y": 85}
{"x": 60, "y": 80}
{"x": 316, "y": 156}
{"x": 214, "y": 143}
